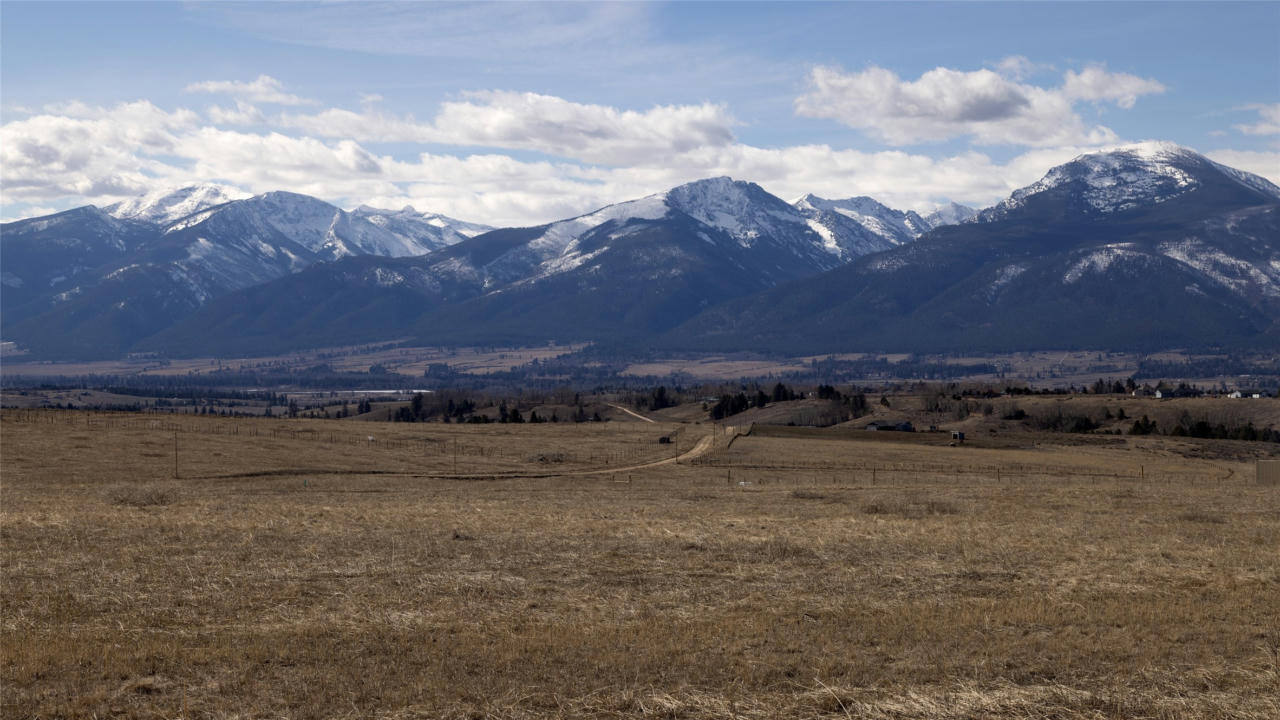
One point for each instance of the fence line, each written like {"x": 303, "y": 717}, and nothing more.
{"x": 720, "y": 457}
{"x": 263, "y": 428}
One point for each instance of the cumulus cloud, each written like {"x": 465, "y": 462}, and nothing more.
{"x": 1268, "y": 121}
{"x": 1096, "y": 84}
{"x": 594, "y": 154}
{"x": 242, "y": 114}
{"x": 983, "y": 104}
{"x": 542, "y": 123}
{"x": 102, "y": 155}
{"x": 265, "y": 89}
{"x": 1264, "y": 163}
{"x": 1019, "y": 67}
{"x": 594, "y": 133}
{"x": 90, "y": 152}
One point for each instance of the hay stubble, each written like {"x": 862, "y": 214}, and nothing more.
{"x": 287, "y": 576}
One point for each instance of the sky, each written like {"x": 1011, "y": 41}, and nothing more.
{"x": 523, "y": 113}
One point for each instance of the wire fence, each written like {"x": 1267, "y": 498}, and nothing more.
{"x": 723, "y": 459}
{"x": 368, "y": 438}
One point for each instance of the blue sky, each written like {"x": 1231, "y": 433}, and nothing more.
{"x": 522, "y": 113}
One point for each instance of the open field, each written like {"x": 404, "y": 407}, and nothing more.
{"x": 410, "y": 361}
{"x": 1054, "y": 369}
{"x": 303, "y": 569}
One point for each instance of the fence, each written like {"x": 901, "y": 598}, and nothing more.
{"x": 372, "y": 437}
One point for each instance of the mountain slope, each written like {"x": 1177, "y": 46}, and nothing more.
{"x": 950, "y": 214}
{"x": 424, "y": 231}
{"x": 1147, "y": 249}
{"x": 50, "y": 256}
{"x": 1133, "y": 176}
{"x": 859, "y": 226}
{"x": 625, "y": 271}
{"x": 166, "y": 206}
{"x": 135, "y": 278}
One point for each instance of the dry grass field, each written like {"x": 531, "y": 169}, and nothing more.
{"x": 411, "y": 361}
{"x": 300, "y": 569}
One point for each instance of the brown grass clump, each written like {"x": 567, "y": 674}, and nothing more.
{"x": 141, "y": 496}
{"x": 300, "y": 570}
{"x": 1202, "y": 516}
{"x": 911, "y": 507}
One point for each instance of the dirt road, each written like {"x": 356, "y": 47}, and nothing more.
{"x": 629, "y": 412}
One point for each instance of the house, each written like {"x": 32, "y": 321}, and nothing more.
{"x": 957, "y": 436}
{"x": 1237, "y": 395}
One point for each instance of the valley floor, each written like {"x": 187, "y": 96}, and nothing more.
{"x": 202, "y": 567}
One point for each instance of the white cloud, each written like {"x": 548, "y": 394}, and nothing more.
{"x": 107, "y": 154}
{"x": 1268, "y": 121}
{"x": 542, "y": 123}
{"x": 243, "y": 114}
{"x": 89, "y": 152}
{"x": 982, "y": 104}
{"x": 366, "y": 126}
{"x": 265, "y": 89}
{"x": 1096, "y": 84}
{"x": 1266, "y": 164}
{"x": 593, "y": 133}
{"x": 77, "y": 153}
{"x": 1019, "y": 67}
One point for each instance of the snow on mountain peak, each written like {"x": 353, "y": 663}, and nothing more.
{"x": 950, "y": 214}
{"x": 879, "y": 226}
{"x": 165, "y": 206}
{"x": 428, "y": 230}
{"x": 741, "y": 209}
{"x": 1129, "y": 176}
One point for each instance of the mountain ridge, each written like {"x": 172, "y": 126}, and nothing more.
{"x": 1144, "y": 250}
{"x": 1105, "y": 248}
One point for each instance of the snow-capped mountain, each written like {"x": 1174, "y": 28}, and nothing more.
{"x": 49, "y": 255}
{"x": 860, "y": 225}
{"x": 431, "y": 231}
{"x": 73, "y": 276}
{"x": 738, "y": 218}
{"x": 1128, "y": 177}
{"x": 162, "y": 207}
{"x": 1145, "y": 247}
{"x": 950, "y": 214}
{"x": 625, "y": 270}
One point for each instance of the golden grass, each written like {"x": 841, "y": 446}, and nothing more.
{"x": 297, "y": 570}
{"x": 411, "y": 361}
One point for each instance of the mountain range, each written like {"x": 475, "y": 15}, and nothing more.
{"x": 1144, "y": 247}
{"x": 92, "y": 282}
{"x": 1147, "y": 247}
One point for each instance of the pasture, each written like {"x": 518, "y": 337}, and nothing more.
{"x": 203, "y": 567}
